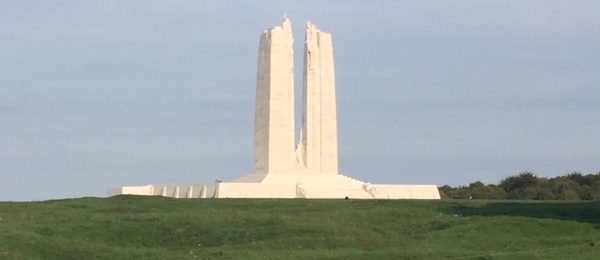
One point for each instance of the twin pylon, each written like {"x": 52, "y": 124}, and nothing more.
{"x": 275, "y": 150}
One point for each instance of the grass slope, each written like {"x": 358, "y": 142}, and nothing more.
{"x": 129, "y": 227}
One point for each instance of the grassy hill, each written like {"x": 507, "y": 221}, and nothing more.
{"x": 129, "y": 227}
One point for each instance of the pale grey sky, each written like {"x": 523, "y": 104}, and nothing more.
{"x": 95, "y": 94}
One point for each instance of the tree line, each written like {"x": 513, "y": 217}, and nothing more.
{"x": 528, "y": 186}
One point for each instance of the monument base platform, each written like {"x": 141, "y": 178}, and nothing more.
{"x": 288, "y": 186}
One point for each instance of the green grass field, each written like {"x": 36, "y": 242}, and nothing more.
{"x": 129, "y": 227}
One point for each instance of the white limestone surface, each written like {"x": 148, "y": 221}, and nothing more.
{"x": 287, "y": 186}
{"x": 317, "y": 151}
{"x": 311, "y": 170}
{"x": 274, "y": 115}
{"x": 198, "y": 190}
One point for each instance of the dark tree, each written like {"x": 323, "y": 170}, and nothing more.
{"x": 523, "y": 186}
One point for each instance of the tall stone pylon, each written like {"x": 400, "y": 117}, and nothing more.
{"x": 274, "y": 115}
{"x": 317, "y": 151}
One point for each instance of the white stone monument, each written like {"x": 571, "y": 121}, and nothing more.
{"x": 281, "y": 169}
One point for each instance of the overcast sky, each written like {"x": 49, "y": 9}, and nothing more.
{"x": 96, "y": 94}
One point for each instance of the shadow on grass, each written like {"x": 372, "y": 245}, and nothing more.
{"x": 585, "y": 212}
